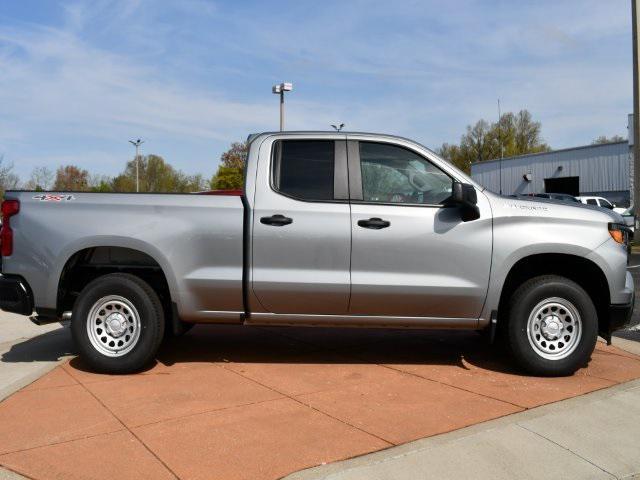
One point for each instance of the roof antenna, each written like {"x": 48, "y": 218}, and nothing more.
{"x": 500, "y": 141}
{"x": 339, "y": 128}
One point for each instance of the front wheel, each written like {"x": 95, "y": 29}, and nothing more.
{"x": 117, "y": 323}
{"x": 552, "y": 326}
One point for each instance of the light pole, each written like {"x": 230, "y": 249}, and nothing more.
{"x": 635, "y": 20}
{"x": 279, "y": 90}
{"x": 338, "y": 128}
{"x": 500, "y": 141}
{"x": 137, "y": 144}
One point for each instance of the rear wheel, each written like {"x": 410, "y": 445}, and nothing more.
{"x": 117, "y": 323}
{"x": 552, "y": 326}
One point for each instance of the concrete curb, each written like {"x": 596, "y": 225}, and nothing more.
{"x": 25, "y": 360}
{"x": 9, "y": 475}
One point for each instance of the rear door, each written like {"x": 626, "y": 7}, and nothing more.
{"x": 302, "y": 227}
{"x": 413, "y": 256}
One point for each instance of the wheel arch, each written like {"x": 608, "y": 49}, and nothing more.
{"x": 581, "y": 270}
{"x": 94, "y": 259}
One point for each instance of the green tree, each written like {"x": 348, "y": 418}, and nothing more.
{"x": 604, "y": 139}
{"x": 70, "y": 177}
{"x": 230, "y": 174}
{"x": 227, "y": 178}
{"x": 100, "y": 183}
{"x": 191, "y": 183}
{"x": 513, "y": 134}
{"x": 123, "y": 183}
{"x": 156, "y": 175}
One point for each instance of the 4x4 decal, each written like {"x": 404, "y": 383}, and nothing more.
{"x": 53, "y": 198}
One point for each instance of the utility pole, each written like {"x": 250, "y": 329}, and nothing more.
{"x": 279, "y": 90}
{"x": 635, "y": 12}
{"x": 500, "y": 141}
{"x": 137, "y": 144}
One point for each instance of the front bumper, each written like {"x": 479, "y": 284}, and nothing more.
{"x": 621, "y": 316}
{"x": 15, "y": 295}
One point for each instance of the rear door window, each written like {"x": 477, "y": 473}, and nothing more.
{"x": 304, "y": 169}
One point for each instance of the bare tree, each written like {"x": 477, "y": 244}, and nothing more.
{"x": 604, "y": 139}
{"x": 513, "y": 134}
{"x": 8, "y": 179}
{"x": 41, "y": 179}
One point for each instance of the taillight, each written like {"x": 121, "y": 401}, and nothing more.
{"x": 9, "y": 209}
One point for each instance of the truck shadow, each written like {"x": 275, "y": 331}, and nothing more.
{"x": 302, "y": 345}
{"x": 465, "y": 350}
{"x": 48, "y": 347}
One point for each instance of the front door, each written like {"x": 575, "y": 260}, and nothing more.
{"x": 411, "y": 254}
{"x": 302, "y": 228}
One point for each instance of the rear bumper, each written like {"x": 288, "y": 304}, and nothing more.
{"x": 15, "y": 295}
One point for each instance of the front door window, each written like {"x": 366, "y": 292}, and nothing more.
{"x": 392, "y": 174}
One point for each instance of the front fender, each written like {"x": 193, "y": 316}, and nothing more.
{"x": 519, "y": 237}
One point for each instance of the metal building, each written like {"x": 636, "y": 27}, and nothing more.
{"x": 601, "y": 170}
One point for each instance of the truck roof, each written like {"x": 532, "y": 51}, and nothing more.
{"x": 253, "y": 136}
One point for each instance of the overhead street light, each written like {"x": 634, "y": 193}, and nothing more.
{"x": 137, "y": 143}
{"x": 279, "y": 90}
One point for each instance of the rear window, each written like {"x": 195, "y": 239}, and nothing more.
{"x": 592, "y": 201}
{"x": 304, "y": 169}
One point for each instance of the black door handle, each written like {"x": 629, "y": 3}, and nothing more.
{"x": 276, "y": 220}
{"x": 374, "y": 223}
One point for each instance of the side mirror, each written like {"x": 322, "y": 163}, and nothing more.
{"x": 466, "y": 197}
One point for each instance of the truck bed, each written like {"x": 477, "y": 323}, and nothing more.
{"x": 197, "y": 241}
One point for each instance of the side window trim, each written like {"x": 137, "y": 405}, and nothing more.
{"x": 355, "y": 178}
{"x": 340, "y": 173}
{"x": 355, "y": 174}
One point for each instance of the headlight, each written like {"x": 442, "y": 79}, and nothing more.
{"x": 620, "y": 233}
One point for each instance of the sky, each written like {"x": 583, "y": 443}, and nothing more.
{"x": 78, "y": 79}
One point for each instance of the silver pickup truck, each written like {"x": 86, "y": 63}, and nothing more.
{"x": 331, "y": 229}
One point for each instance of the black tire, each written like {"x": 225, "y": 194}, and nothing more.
{"x": 529, "y": 297}
{"x": 151, "y": 322}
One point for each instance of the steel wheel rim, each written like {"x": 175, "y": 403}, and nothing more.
{"x": 113, "y": 326}
{"x": 554, "y": 328}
